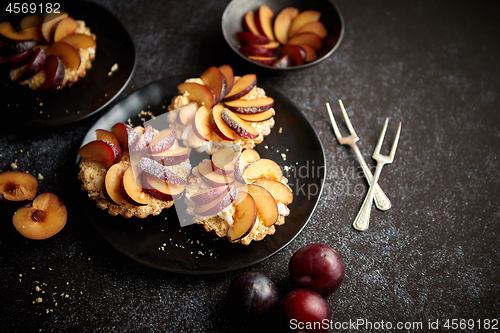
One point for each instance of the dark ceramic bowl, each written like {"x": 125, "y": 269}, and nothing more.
{"x": 232, "y": 22}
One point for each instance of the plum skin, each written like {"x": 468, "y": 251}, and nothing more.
{"x": 253, "y": 294}
{"x": 317, "y": 267}
{"x": 305, "y": 310}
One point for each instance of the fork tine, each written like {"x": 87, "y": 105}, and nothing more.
{"x": 395, "y": 143}
{"x": 334, "y": 124}
{"x": 346, "y": 118}
{"x": 381, "y": 139}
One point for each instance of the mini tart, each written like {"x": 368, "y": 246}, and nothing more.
{"x": 92, "y": 175}
{"x": 189, "y": 139}
{"x": 71, "y": 76}
{"x": 219, "y": 224}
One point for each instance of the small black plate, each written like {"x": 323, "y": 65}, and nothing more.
{"x": 20, "y": 105}
{"x": 161, "y": 243}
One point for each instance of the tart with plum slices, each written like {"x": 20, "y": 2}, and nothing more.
{"x": 134, "y": 171}
{"x": 219, "y": 108}
{"x": 48, "y": 52}
{"x": 238, "y": 196}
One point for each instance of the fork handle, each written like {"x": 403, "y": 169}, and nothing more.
{"x": 362, "y": 220}
{"x": 382, "y": 202}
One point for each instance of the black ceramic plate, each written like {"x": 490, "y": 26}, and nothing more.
{"x": 161, "y": 243}
{"x": 20, "y": 105}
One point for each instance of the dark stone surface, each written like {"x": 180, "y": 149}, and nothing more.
{"x": 433, "y": 256}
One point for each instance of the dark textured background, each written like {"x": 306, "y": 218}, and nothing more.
{"x": 434, "y": 65}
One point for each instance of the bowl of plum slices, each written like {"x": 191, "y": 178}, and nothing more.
{"x": 283, "y": 35}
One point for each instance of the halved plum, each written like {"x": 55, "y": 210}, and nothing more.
{"x": 17, "y": 186}
{"x": 43, "y": 219}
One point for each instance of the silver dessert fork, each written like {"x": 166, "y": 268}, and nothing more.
{"x": 382, "y": 202}
{"x": 362, "y": 220}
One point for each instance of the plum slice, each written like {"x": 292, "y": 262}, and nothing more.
{"x": 67, "y": 53}
{"x": 34, "y": 65}
{"x": 63, "y": 28}
{"x": 245, "y": 158}
{"x": 294, "y": 53}
{"x": 308, "y": 38}
{"x": 201, "y": 124}
{"x": 162, "y": 141}
{"x": 249, "y": 23}
{"x": 281, "y": 192}
{"x": 303, "y": 18}
{"x": 263, "y": 20}
{"x": 172, "y": 156}
{"x": 262, "y": 169}
{"x": 199, "y": 93}
{"x": 16, "y": 186}
{"x": 212, "y": 178}
{"x": 250, "y": 38}
{"x": 283, "y": 22}
{"x": 238, "y": 125}
{"x": 120, "y": 132}
{"x": 31, "y": 25}
{"x": 49, "y": 21}
{"x": 257, "y": 117}
{"x": 186, "y": 113}
{"x": 17, "y": 47}
{"x": 256, "y": 105}
{"x": 54, "y": 73}
{"x": 43, "y": 219}
{"x": 17, "y": 60}
{"x": 9, "y": 35}
{"x": 80, "y": 41}
{"x": 228, "y": 73}
{"x": 100, "y": 151}
{"x": 315, "y": 27}
{"x": 209, "y": 195}
{"x": 160, "y": 189}
{"x": 160, "y": 171}
{"x": 267, "y": 208}
{"x": 268, "y": 61}
{"x": 223, "y": 160}
{"x": 132, "y": 190}
{"x": 113, "y": 183}
{"x": 213, "y": 79}
{"x": 217, "y": 205}
{"x": 219, "y": 126}
{"x": 241, "y": 87}
{"x": 244, "y": 218}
